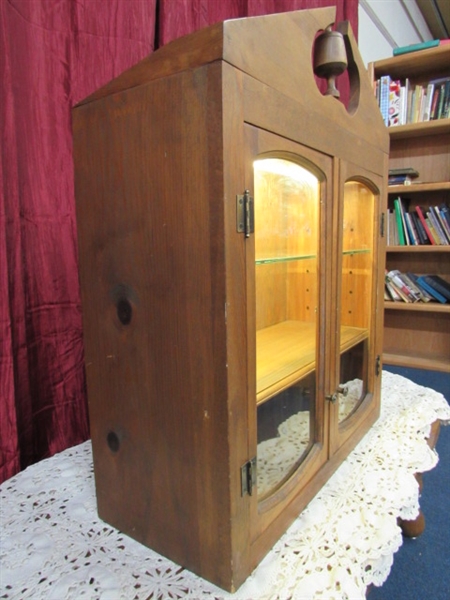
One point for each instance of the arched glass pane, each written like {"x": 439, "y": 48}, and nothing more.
{"x": 356, "y": 294}
{"x": 286, "y": 284}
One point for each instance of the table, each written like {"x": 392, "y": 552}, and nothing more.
{"x": 54, "y": 546}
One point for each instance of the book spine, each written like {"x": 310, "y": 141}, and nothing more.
{"x": 433, "y": 232}
{"x": 445, "y": 212}
{"x": 384, "y": 98}
{"x": 426, "y": 296}
{"x": 437, "y": 227}
{"x": 411, "y": 283}
{"x": 422, "y": 234}
{"x": 442, "y": 223}
{"x": 399, "y": 221}
{"x": 394, "y": 277}
{"x": 432, "y": 291}
{"x": 425, "y": 224}
{"x": 414, "y": 240}
{"x": 438, "y": 284}
{"x": 394, "y": 103}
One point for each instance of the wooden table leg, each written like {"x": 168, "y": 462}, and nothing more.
{"x": 416, "y": 527}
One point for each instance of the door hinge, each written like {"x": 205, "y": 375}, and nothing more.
{"x": 245, "y": 214}
{"x": 378, "y": 365}
{"x": 248, "y": 477}
{"x": 382, "y": 224}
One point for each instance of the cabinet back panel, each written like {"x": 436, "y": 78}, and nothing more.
{"x": 421, "y": 332}
{"x": 429, "y": 155}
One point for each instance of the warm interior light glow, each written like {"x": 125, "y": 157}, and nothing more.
{"x": 280, "y": 166}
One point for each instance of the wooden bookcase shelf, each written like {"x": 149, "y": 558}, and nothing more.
{"x": 418, "y": 335}
{"x": 417, "y": 130}
{"x": 430, "y": 307}
{"x": 419, "y": 249}
{"x": 417, "y": 188}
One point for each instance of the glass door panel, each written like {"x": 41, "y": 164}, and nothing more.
{"x": 356, "y": 295}
{"x": 286, "y": 287}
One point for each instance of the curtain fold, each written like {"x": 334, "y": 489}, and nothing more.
{"x": 53, "y": 53}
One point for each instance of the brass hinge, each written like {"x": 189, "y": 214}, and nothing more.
{"x": 377, "y": 365}
{"x": 382, "y": 224}
{"x": 245, "y": 214}
{"x": 248, "y": 477}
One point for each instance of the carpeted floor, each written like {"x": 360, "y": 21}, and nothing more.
{"x": 421, "y": 569}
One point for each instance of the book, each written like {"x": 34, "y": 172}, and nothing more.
{"x": 410, "y": 280}
{"x": 442, "y": 222}
{"x": 392, "y": 235}
{"x": 431, "y": 290}
{"x": 411, "y": 230}
{"x": 425, "y": 296}
{"x": 429, "y": 99}
{"x": 405, "y": 171}
{"x": 415, "y": 47}
{"x": 438, "y": 284}
{"x": 394, "y": 277}
{"x": 422, "y": 218}
{"x": 442, "y": 239}
{"x": 445, "y": 212}
{"x": 433, "y": 233}
{"x": 394, "y": 102}
{"x": 399, "y": 180}
{"x": 399, "y": 221}
{"x": 392, "y": 292}
{"x": 384, "y": 98}
{"x": 422, "y": 234}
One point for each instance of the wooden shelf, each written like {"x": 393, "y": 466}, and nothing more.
{"x": 431, "y": 307}
{"x": 415, "y": 188}
{"x": 415, "y": 64}
{"x": 286, "y": 353}
{"x": 420, "y": 248}
{"x": 416, "y": 361}
{"x": 414, "y": 130}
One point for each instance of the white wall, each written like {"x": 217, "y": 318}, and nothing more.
{"x": 387, "y": 24}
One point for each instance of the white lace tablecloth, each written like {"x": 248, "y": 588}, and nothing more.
{"x": 54, "y": 547}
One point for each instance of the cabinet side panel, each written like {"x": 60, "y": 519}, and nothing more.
{"x": 150, "y": 217}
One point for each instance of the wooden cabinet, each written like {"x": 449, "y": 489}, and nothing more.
{"x": 418, "y": 335}
{"x": 229, "y": 232}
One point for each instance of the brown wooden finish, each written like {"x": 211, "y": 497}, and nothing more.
{"x": 416, "y": 527}
{"x": 419, "y": 335}
{"x": 169, "y": 288}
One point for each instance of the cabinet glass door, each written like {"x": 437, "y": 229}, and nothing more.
{"x": 356, "y": 295}
{"x": 286, "y": 205}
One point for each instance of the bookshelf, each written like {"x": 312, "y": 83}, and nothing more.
{"x": 418, "y": 334}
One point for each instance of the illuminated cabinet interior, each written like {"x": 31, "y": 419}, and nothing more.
{"x": 230, "y": 234}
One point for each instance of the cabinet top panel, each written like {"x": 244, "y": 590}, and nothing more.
{"x": 276, "y": 51}
{"x": 260, "y": 46}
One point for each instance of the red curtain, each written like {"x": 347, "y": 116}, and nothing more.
{"x": 53, "y": 53}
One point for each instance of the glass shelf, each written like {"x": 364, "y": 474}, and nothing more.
{"x": 283, "y": 259}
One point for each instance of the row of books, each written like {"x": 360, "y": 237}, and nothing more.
{"x": 419, "y": 225}
{"x": 409, "y": 287}
{"x": 403, "y": 102}
{"x": 402, "y": 176}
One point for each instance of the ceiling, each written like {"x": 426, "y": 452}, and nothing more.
{"x": 437, "y": 15}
